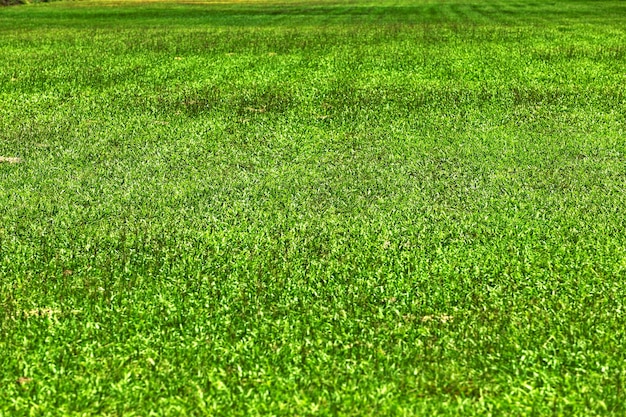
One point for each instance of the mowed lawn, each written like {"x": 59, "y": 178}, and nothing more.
{"x": 316, "y": 207}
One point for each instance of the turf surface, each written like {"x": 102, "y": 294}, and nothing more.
{"x": 313, "y": 208}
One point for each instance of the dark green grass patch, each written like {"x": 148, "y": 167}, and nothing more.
{"x": 333, "y": 208}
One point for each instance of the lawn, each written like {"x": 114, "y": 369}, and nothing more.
{"x": 313, "y": 207}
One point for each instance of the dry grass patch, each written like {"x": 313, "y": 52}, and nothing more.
{"x": 443, "y": 318}
{"x": 24, "y": 380}
{"x": 41, "y": 312}
{"x": 10, "y": 160}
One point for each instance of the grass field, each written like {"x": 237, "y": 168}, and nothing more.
{"x": 318, "y": 207}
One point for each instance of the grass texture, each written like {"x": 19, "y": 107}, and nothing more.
{"x": 323, "y": 207}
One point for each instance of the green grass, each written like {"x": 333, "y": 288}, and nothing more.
{"x": 313, "y": 208}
